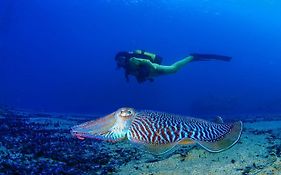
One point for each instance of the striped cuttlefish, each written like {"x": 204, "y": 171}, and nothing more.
{"x": 159, "y": 132}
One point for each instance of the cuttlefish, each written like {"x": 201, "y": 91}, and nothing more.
{"x": 159, "y": 132}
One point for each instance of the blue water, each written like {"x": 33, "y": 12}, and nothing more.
{"x": 59, "y": 55}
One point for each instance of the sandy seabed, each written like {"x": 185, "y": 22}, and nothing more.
{"x": 40, "y": 143}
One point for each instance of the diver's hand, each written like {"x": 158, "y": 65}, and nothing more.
{"x": 140, "y": 61}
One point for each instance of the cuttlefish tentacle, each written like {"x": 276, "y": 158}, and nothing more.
{"x": 159, "y": 132}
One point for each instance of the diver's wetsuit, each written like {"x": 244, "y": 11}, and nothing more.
{"x": 140, "y": 71}
{"x": 144, "y": 65}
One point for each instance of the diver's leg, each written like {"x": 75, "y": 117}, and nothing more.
{"x": 179, "y": 64}
{"x": 161, "y": 69}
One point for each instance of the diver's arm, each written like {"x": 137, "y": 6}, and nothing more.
{"x": 140, "y": 61}
{"x": 161, "y": 69}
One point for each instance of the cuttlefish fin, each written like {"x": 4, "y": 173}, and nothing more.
{"x": 218, "y": 119}
{"x": 186, "y": 141}
{"x": 158, "y": 149}
{"x": 155, "y": 149}
{"x": 227, "y": 141}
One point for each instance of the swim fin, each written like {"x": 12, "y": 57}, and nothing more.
{"x": 208, "y": 57}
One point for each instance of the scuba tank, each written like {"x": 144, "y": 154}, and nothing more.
{"x": 154, "y": 58}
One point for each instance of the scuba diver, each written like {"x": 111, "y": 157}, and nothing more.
{"x": 145, "y": 65}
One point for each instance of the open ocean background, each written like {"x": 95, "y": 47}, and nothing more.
{"x": 58, "y": 55}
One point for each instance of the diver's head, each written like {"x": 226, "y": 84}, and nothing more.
{"x": 121, "y": 59}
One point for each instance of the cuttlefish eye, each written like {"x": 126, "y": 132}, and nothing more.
{"x": 126, "y": 113}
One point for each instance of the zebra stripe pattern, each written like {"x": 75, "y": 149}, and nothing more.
{"x": 161, "y": 128}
